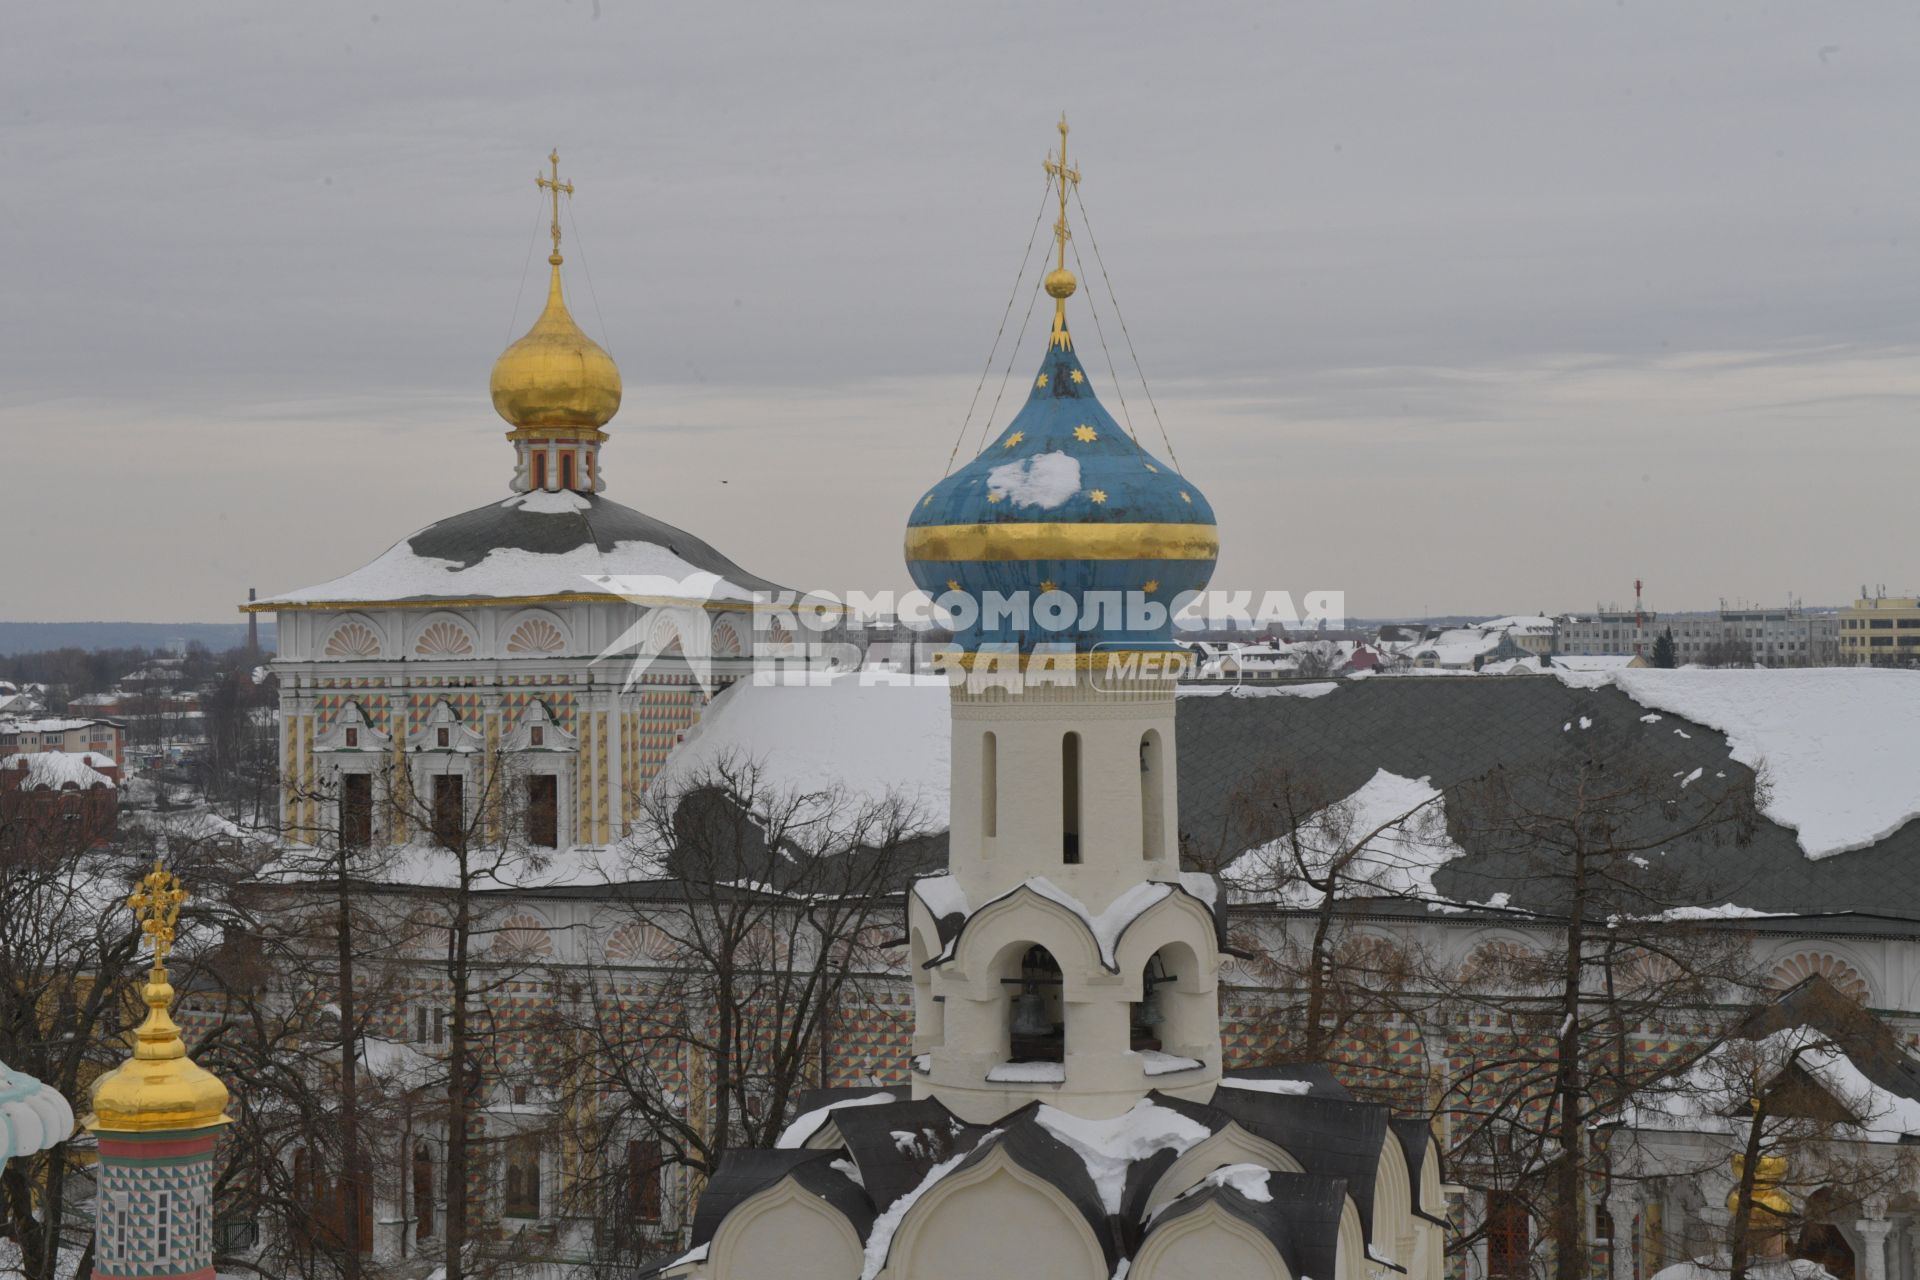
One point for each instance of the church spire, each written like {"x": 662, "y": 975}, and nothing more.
{"x": 1060, "y": 281}
{"x": 157, "y": 1118}
{"x": 556, "y": 387}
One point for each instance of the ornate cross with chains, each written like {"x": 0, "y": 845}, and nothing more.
{"x": 556, "y": 186}
{"x": 156, "y": 905}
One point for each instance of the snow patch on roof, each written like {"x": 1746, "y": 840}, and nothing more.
{"x": 1712, "y": 1096}
{"x": 873, "y": 739}
{"x": 1107, "y": 1147}
{"x": 540, "y": 502}
{"x": 1111, "y": 923}
{"x": 1027, "y": 1073}
{"x": 795, "y": 1135}
{"x": 942, "y": 895}
{"x": 56, "y": 770}
{"x": 1398, "y": 825}
{"x": 1835, "y": 743}
{"x": 1299, "y": 1087}
{"x": 511, "y": 572}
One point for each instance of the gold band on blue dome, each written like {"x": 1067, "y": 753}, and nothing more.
{"x": 1045, "y": 541}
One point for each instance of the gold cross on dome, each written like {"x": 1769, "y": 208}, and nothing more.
{"x": 156, "y": 905}
{"x": 1062, "y": 175}
{"x": 556, "y": 186}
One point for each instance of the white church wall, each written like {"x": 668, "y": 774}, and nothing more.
{"x": 1208, "y": 1242}
{"x": 785, "y": 1231}
{"x": 1035, "y": 1229}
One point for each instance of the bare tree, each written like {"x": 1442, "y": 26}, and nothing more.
{"x": 761, "y": 911}
{"x": 1585, "y": 837}
{"x": 461, "y": 820}
{"x": 1321, "y": 856}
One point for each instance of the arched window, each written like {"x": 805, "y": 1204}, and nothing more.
{"x": 643, "y": 1181}
{"x": 422, "y": 1189}
{"x": 566, "y": 470}
{"x": 523, "y": 1177}
{"x": 1070, "y": 798}
{"x": 989, "y": 785}
{"x": 540, "y": 469}
{"x": 1152, "y": 816}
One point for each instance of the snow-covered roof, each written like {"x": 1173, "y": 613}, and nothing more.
{"x": 1531, "y": 624}
{"x": 55, "y": 770}
{"x": 1595, "y": 661}
{"x": 876, "y": 735}
{"x": 1713, "y": 1095}
{"x": 47, "y": 724}
{"x": 803, "y": 1127}
{"x": 1834, "y": 742}
{"x": 1459, "y": 646}
{"x": 540, "y": 544}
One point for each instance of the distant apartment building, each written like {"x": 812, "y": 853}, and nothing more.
{"x": 57, "y": 795}
{"x": 1785, "y": 637}
{"x": 1880, "y": 631}
{"x": 74, "y": 736}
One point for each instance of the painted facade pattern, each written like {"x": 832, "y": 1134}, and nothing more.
{"x": 665, "y": 712}
{"x": 327, "y": 708}
{"x": 153, "y": 1212}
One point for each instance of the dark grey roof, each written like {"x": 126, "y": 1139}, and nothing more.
{"x": 1868, "y": 1040}
{"x": 747, "y": 1172}
{"x": 1454, "y": 729}
{"x": 891, "y": 1166}
{"x": 1301, "y": 1217}
{"x": 1144, "y": 1175}
{"x": 1331, "y": 1136}
{"x": 469, "y": 537}
{"x": 842, "y": 1193}
{"x": 1416, "y": 1141}
{"x": 895, "y": 1145}
{"x": 814, "y": 1099}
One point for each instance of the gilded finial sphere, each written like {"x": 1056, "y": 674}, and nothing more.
{"x": 1061, "y": 284}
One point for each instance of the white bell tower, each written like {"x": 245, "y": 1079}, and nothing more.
{"x": 1064, "y": 957}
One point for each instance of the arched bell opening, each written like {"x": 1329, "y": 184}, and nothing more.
{"x": 1174, "y": 1013}
{"x": 1036, "y": 1008}
{"x": 1148, "y": 1016}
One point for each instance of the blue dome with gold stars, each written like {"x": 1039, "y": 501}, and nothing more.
{"x": 1065, "y": 500}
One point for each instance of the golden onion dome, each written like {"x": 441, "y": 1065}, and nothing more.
{"x": 556, "y": 376}
{"x": 159, "y": 1087}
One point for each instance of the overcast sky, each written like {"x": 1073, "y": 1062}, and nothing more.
{"x": 1454, "y": 307}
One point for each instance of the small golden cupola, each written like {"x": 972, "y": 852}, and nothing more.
{"x": 556, "y": 387}
{"x": 159, "y": 1088}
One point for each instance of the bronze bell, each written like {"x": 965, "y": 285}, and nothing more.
{"x": 1030, "y": 1014}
